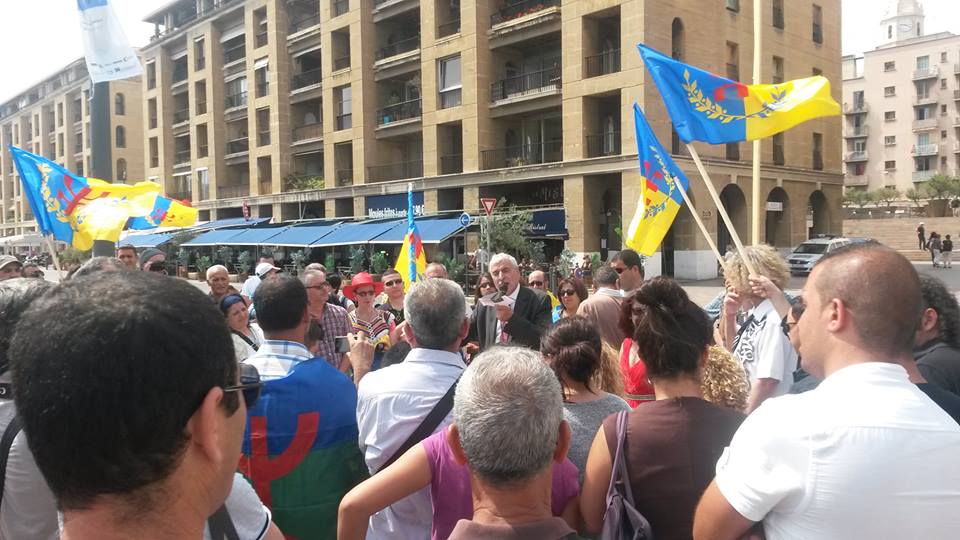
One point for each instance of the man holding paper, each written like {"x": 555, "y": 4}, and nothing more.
{"x": 514, "y": 314}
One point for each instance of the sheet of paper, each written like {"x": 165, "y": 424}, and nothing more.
{"x": 493, "y": 300}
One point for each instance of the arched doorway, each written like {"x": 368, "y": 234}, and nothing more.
{"x": 735, "y": 203}
{"x": 778, "y": 219}
{"x": 818, "y": 214}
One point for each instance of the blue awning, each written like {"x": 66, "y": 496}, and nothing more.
{"x": 304, "y": 235}
{"x": 362, "y": 232}
{"x": 146, "y": 240}
{"x": 255, "y": 236}
{"x": 432, "y": 231}
{"x": 213, "y": 238}
{"x": 548, "y": 223}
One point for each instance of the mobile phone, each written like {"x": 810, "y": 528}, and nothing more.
{"x": 341, "y": 345}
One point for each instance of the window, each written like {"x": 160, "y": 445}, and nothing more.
{"x": 733, "y": 61}
{"x": 121, "y": 137}
{"x": 943, "y": 57}
{"x": 943, "y": 83}
{"x": 890, "y": 165}
{"x": 199, "y": 55}
{"x": 154, "y": 152}
{"x": 202, "y": 145}
{"x": 923, "y": 90}
{"x": 60, "y": 114}
{"x": 943, "y": 161}
{"x": 890, "y": 140}
{"x": 152, "y": 113}
{"x": 119, "y": 105}
{"x": 151, "y": 75}
{"x": 889, "y": 66}
{"x": 778, "y": 14}
{"x": 943, "y": 110}
{"x": 203, "y": 180}
{"x": 859, "y": 169}
{"x": 890, "y": 31}
{"x": 817, "y": 24}
{"x": 60, "y": 148}
{"x": 889, "y": 91}
{"x": 818, "y": 151}
{"x": 200, "y": 95}
{"x": 343, "y": 105}
{"x": 676, "y": 39}
{"x": 777, "y": 70}
{"x": 889, "y": 116}
{"x": 943, "y": 134}
{"x": 923, "y": 62}
{"x": 121, "y": 170}
{"x": 263, "y": 126}
{"x": 858, "y": 100}
{"x": 817, "y": 72}
{"x": 733, "y": 5}
{"x": 733, "y": 151}
{"x": 450, "y": 82}
{"x": 261, "y": 77}
{"x": 778, "y": 157}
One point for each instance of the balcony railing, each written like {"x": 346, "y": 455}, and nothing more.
{"x": 200, "y": 63}
{"x": 448, "y": 28}
{"x": 304, "y": 23}
{"x": 926, "y": 123}
{"x": 234, "y": 54}
{"x": 181, "y": 116}
{"x": 857, "y": 131}
{"x": 263, "y": 89}
{"x": 926, "y": 73}
{"x": 303, "y": 182}
{"x": 956, "y": 94}
{"x": 400, "y": 111}
{"x": 236, "y": 100}
{"x": 342, "y": 62}
{"x": 518, "y": 156}
{"x": 201, "y": 107}
{"x": 261, "y": 39}
{"x": 229, "y": 192}
{"x": 856, "y": 107}
{"x": 925, "y": 150}
{"x": 856, "y": 156}
{"x": 238, "y": 145}
{"x": 179, "y": 73}
{"x": 182, "y": 156}
{"x": 514, "y": 10}
{"x": 514, "y": 86}
{"x": 344, "y": 121}
{"x": 606, "y": 144}
{"x": 451, "y": 164}
{"x": 602, "y": 64}
{"x": 266, "y": 187}
{"x": 923, "y": 176}
{"x": 203, "y": 150}
{"x": 920, "y": 101}
{"x": 180, "y": 195}
{"x": 308, "y": 132}
{"x": 395, "y": 171}
{"x": 344, "y": 177}
{"x": 340, "y": 7}
{"x": 411, "y": 43}
{"x": 263, "y": 138}
{"x": 306, "y": 78}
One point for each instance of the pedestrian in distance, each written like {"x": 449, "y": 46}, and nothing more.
{"x": 922, "y": 236}
{"x": 946, "y": 252}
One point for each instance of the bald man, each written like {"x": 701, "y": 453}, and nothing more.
{"x": 867, "y": 427}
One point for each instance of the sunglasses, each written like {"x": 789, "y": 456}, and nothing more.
{"x": 364, "y": 294}
{"x": 158, "y": 268}
{"x": 568, "y": 292}
{"x": 619, "y": 270}
{"x": 392, "y": 283}
{"x": 536, "y": 284}
{"x": 250, "y": 385}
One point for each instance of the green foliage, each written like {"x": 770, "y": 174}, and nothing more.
{"x": 224, "y": 255}
{"x": 73, "y": 255}
{"x": 245, "y": 261}
{"x": 303, "y": 182}
{"x": 595, "y": 261}
{"x": 568, "y": 260}
{"x": 455, "y": 267}
{"x": 378, "y": 262}
{"x": 508, "y": 233}
{"x": 357, "y": 255}
{"x": 203, "y": 263}
{"x": 940, "y": 186}
{"x": 330, "y": 263}
{"x": 886, "y": 195}
{"x": 299, "y": 260}
{"x": 856, "y": 197}
{"x": 915, "y": 195}
{"x": 183, "y": 257}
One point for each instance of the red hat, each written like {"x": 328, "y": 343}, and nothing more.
{"x": 362, "y": 279}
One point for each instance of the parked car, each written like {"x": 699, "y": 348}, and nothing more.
{"x": 807, "y": 254}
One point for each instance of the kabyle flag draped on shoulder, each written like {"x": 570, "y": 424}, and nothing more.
{"x": 660, "y": 198}
{"x": 79, "y": 210}
{"x": 707, "y": 107}
{"x": 105, "y": 47}
{"x": 411, "y": 262}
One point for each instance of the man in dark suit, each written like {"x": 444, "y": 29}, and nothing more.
{"x": 523, "y": 323}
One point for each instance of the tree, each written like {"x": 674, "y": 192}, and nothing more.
{"x": 940, "y": 187}
{"x": 885, "y": 196}
{"x": 915, "y": 195}
{"x": 856, "y": 197}
{"x": 508, "y": 233}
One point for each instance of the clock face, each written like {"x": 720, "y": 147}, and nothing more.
{"x": 905, "y": 27}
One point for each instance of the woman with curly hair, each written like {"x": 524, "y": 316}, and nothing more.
{"x": 760, "y": 345}
{"x": 722, "y": 380}
{"x": 571, "y": 292}
{"x": 678, "y": 436}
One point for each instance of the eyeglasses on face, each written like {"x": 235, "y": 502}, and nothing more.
{"x": 250, "y": 385}
{"x": 393, "y": 283}
{"x": 568, "y": 292}
{"x": 536, "y": 283}
{"x": 364, "y": 294}
{"x": 321, "y": 286}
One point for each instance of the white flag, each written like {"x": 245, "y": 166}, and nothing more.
{"x": 108, "y": 53}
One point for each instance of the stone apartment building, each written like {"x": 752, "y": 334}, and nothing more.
{"x": 52, "y": 119}
{"x": 902, "y": 105}
{"x": 328, "y": 108}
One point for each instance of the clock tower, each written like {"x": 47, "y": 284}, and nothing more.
{"x": 902, "y": 20}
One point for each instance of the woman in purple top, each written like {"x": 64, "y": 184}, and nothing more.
{"x": 431, "y": 463}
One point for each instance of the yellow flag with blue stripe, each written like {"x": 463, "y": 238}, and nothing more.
{"x": 660, "y": 184}
{"x": 707, "y": 107}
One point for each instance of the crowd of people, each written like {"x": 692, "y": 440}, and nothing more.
{"x": 132, "y": 404}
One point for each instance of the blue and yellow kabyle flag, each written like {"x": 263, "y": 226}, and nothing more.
{"x": 412, "y": 261}
{"x": 660, "y": 184}
{"x": 706, "y": 107}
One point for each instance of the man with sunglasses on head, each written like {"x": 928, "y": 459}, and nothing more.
{"x": 157, "y": 459}
{"x": 332, "y": 319}
{"x": 629, "y": 266}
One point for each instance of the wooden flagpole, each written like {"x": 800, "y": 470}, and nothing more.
{"x": 720, "y": 208}
{"x": 53, "y": 255}
{"x": 703, "y": 228}
{"x": 755, "y": 188}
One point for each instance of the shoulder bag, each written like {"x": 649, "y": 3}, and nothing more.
{"x": 622, "y": 521}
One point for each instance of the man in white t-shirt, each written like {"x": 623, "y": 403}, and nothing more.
{"x": 866, "y": 454}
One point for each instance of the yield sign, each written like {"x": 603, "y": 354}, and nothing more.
{"x": 488, "y": 205}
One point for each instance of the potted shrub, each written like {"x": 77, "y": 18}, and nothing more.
{"x": 203, "y": 264}
{"x": 330, "y": 262}
{"x": 244, "y": 264}
{"x": 357, "y": 257}
{"x": 378, "y": 263}
{"x": 299, "y": 260}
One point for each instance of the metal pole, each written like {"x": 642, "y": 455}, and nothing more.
{"x": 101, "y": 161}
{"x": 755, "y": 221}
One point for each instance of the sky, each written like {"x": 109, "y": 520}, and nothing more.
{"x": 56, "y": 22}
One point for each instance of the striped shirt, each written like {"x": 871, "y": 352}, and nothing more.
{"x": 276, "y": 358}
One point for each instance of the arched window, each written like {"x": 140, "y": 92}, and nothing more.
{"x": 121, "y": 137}
{"x": 121, "y": 170}
{"x": 119, "y": 105}
{"x": 676, "y": 39}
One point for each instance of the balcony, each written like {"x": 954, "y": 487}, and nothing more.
{"x": 179, "y": 73}
{"x": 451, "y": 164}
{"x": 263, "y": 138}
{"x": 230, "y": 192}
{"x": 856, "y": 156}
{"x": 344, "y": 121}
{"x": 522, "y": 155}
{"x": 406, "y": 110}
{"x": 529, "y": 83}
{"x": 263, "y": 89}
{"x": 924, "y": 124}
{"x": 602, "y": 64}
{"x": 956, "y": 95}
{"x": 607, "y": 144}
{"x": 956, "y": 148}
{"x": 395, "y": 171}
{"x": 516, "y": 10}
{"x": 309, "y": 132}
{"x": 342, "y": 62}
{"x": 923, "y": 176}
{"x": 921, "y": 101}
{"x": 237, "y": 146}
{"x": 181, "y": 157}
{"x": 857, "y": 107}
{"x": 303, "y": 23}
{"x": 235, "y": 100}
{"x": 931, "y": 72}
{"x": 340, "y": 7}
{"x": 235, "y": 54}
{"x": 180, "y": 195}
{"x": 266, "y": 187}
{"x": 956, "y": 121}
{"x": 260, "y": 40}
{"x": 395, "y": 49}
{"x": 856, "y": 131}
{"x": 856, "y": 180}
{"x": 307, "y": 78}
{"x": 344, "y": 177}
{"x": 181, "y": 116}
{"x": 925, "y": 150}
{"x": 448, "y": 28}
{"x": 303, "y": 182}
{"x": 201, "y": 106}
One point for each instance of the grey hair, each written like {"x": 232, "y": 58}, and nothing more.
{"x": 435, "y": 310}
{"x": 311, "y": 273}
{"x": 217, "y": 268}
{"x": 500, "y": 257}
{"x": 508, "y": 409}
{"x": 605, "y": 275}
{"x": 99, "y": 264}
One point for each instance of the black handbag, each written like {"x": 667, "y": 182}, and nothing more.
{"x": 622, "y": 521}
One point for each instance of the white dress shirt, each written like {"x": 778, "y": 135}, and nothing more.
{"x": 391, "y": 403}
{"x": 865, "y": 455}
{"x": 275, "y": 358}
